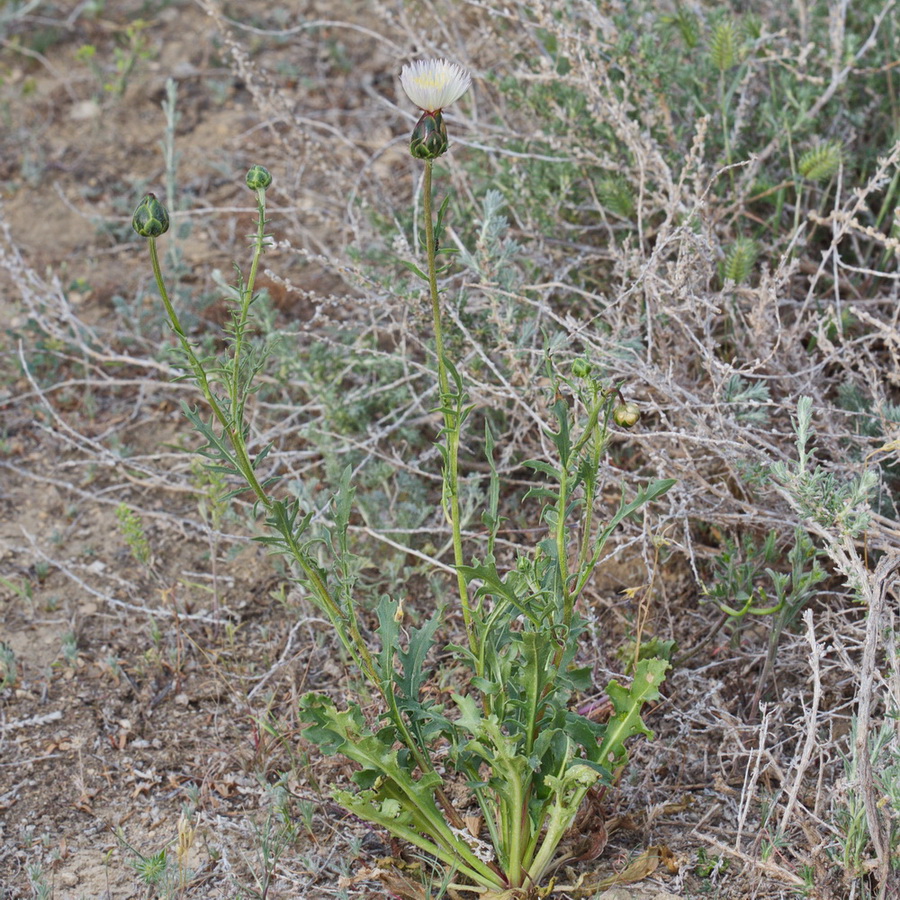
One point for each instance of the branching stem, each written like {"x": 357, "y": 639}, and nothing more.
{"x": 233, "y": 428}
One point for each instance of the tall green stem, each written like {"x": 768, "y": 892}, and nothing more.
{"x": 237, "y": 395}
{"x": 561, "y": 543}
{"x": 228, "y": 424}
{"x": 597, "y": 433}
{"x": 450, "y": 406}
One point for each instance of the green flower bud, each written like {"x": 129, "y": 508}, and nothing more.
{"x": 258, "y": 178}
{"x": 429, "y": 137}
{"x": 626, "y": 415}
{"x": 150, "y": 219}
{"x": 581, "y": 368}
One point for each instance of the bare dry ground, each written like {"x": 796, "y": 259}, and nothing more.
{"x": 154, "y": 655}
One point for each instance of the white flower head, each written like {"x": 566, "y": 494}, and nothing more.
{"x": 433, "y": 84}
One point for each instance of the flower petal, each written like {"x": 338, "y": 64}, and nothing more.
{"x": 433, "y": 84}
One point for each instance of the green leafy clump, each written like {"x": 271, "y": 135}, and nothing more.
{"x": 8, "y": 668}
{"x": 687, "y": 24}
{"x": 616, "y": 195}
{"x": 529, "y": 753}
{"x": 841, "y": 505}
{"x": 132, "y": 530}
{"x": 724, "y": 45}
{"x": 494, "y": 252}
{"x": 821, "y": 162}
{"x": 509, "y": 734}
{"x": 739, "y": 261}
{"x": 750, "y": 400}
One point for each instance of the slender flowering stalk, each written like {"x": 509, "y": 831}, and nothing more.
{"x": 151, "y": 220}
{"x": 432, "y": 85}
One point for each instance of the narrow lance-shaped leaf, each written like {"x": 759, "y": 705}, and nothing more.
{"x": 491, "y": 517}
{"x": 389, "y": 632}
{"x": 414, "y": 269}
{"x": 644, "y": 495}
{"x": 493, "y": 584}
{"x": 537, "y": 674}
{"x": 561, "y": 439}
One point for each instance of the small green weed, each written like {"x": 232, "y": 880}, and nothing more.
{"x": 167, "y": 872}
{"x": 854, "y": 839}
{"x": 273, "y": 837}
{"x": 837, "y": 505}
{"x": 709, "y": 865}
{"x": 132, "y": 530}
{"x": 131, "y": 47}
{"x": 23, "y": 589}
{"x": 41, "y": 887}
{"x": 9, "y": 673}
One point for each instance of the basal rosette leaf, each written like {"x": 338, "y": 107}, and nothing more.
{"x": 402, "y": 686}
{"x": 391, "y": 797}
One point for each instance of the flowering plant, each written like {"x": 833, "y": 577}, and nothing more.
{"x": 508, "y": 740}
